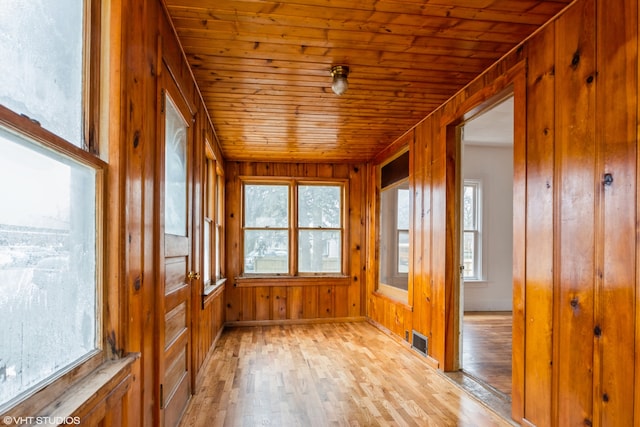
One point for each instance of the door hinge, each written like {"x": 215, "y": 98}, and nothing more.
{"x": 161, "y": 396}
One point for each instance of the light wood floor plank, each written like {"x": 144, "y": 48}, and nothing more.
{"x": 486, "y": 349}
{"x": 334, "y": 374}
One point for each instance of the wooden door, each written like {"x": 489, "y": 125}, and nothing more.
{"x": 174, "y": 344}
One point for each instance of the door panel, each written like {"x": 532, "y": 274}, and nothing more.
{"x": 174, "y": 345}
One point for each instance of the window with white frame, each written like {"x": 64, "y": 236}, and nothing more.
{"x": 50, "y": 192}
{"x": 471, "y": 242}
{"x": 293, "y": 228}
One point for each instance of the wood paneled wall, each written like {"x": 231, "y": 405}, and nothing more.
{"x": 577, "y": 310}
{"x": 147, "y": 39}
{"x": 576, "y": 211}
{"x": 382, "y": 310}
{"x": 210, "y": 323}
{"x": 300, "y": 299}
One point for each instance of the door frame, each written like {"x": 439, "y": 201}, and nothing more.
{"x": 512, "y": 81}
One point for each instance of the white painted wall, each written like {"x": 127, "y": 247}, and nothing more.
{"x": 494, "y": 167}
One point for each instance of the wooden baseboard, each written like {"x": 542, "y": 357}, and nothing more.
{"x": 294, "y": 321}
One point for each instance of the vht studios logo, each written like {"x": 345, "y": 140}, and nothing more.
{"x": 40, "y": 420}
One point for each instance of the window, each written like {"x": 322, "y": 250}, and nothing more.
{"x": 175, "y": 181}
{"x": 394, "y": 215}
{"x": 213, "y": 217}
{"x": 293, "y": 228}
{"x": 402, "y": 218}
{"x": 42, "y": 63}
{"x": 471, "y": 231}
{"x": 49, "y": 215}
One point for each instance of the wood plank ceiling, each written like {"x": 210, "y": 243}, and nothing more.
{"x": 263, "y": 67}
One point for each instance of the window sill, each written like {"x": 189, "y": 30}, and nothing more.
{"x": 475, "y": 283}
{"x": 212, "y": 288}
{"x": 257, "y": 281}
{"x": 394, "y": 298}
{"x": 82, "y": 397}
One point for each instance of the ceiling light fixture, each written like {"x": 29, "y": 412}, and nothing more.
{"x": 339, "y": 74}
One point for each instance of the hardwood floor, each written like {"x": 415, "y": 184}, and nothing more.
{"x": 342, "y": 374}
{"x": 486, "y": 348}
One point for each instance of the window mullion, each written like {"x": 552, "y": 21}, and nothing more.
{"x": 293, "y": 229}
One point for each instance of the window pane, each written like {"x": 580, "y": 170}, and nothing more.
{"x": 403, "y": 252}
{"x": 175, "y": 198}
{"x": 206, "y": 253}
{"x": 403, "y": 208}
{"x": 469, "y": 254}
{"x": 47, "y": 264}
{"x": 319, "y": 206}
{"x": 218, "y": 264}
{"x": 469, "y": 209}
{"x": 266, "y": 251}
{"x": 392, "y": 249}
{"x": 266, "y": 206}
{"x": 319, "y": 251}
{"x": 41, "y": 66}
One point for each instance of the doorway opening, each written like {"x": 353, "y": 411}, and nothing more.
{"x": 485, "y": 201}
{"x": 486, "y": 245}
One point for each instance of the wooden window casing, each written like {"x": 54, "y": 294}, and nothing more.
{"x": 88, "y": 153}
{"x": 293, "y": 229}
{"x": 213, "y": 222}
{"x": 472, "y": 235}
{"x": 393, "y": 280}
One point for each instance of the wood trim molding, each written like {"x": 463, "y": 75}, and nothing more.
{"x": 294, "y": 321}
{"x": 378, "y": 294}
{"x": 258, "y": 281}
{"x": 208, "y": 297}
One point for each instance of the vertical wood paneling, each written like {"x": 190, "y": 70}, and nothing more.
{"x": 263, "y": 303}
{"x": 296, "y": 302}
{"x": 576, "y": 257}
{"x": 575, "y": 200}
{"x": 636, "y": 403}
{"x": 540, "y": 185}
{"x": 617, "y": 47}
{"x": 248, "y": 304}
{"x": 300, "y": 300}
{"x": 139, "y": 125}
{"x": 211, "y": 321}
{"x": 452, "y": 250}
{"x": 422, "y": 214}
{"x": 518, "y": 352}
{"x": 416, "y": 275}
{"x": 430, "y": 132}
{"x": 357, "y": 239}
{"x": 438, "y": 239}
{"x": 279, "y": 303}
{"x": 325, "y": 170}
{"x": 581, "y": 251}
{"x": 234, "y": 302}
{"x": 326, "y": 301}
{"x": 341, "y": 301}
{"x": 310, "y": 302}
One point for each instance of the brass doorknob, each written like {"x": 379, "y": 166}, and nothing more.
{"x": 193, "y": 275}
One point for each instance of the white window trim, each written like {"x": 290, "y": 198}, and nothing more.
{"x": 479, "y": 273}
